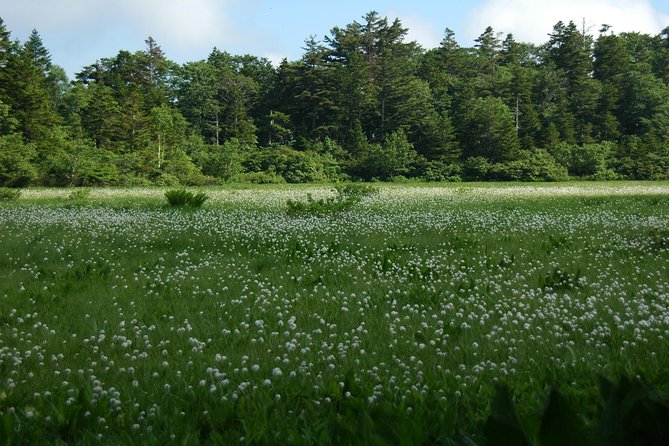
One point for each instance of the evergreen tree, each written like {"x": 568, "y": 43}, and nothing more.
{"x": 101, "y": 117}
{"x": 29, "y": 91}
{"x": 488, "y": 131}
{"x": 364, "y": 100}
{"x": 611, "y": 67}
{"x": 488, "y": 55}
{"x": 197, "y": 93}
{"x": 662, "y": 57}
{"x": 570, "y": 50}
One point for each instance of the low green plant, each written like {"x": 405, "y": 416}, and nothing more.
{"x": 198, "y": 199}
{"x": 345, "y": 197}
{"x": 359, "y": 190}
{"x": 79, "y": 194}
{"x": 266, "y": 177}
{"x": 9, "y": 194}
{"x": 183, "y": 197}
{"x": 178, "y": 197}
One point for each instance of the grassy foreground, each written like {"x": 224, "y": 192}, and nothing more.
{"x": 123, "y": 321}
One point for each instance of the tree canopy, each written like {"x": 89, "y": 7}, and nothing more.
{"x": 362, "y": 103}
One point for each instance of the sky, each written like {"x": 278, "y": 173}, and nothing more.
{"x": 79, "y": 32}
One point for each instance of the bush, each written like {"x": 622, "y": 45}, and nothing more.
{"x": 345, "y": 197}
{"x": 182, "y": 197}
{"x": 359, "y": 190}
{"x": 198, "y": 199}
{"x": 438, "y": 171}
{"x": 178, "y": 197}
{"x": 396, "y": 157}
{"x": 79, "y": 195}
{"x": 224, "y": 161}
{"x": 589, "y": 161}
{"x": 294, "y": 166}
{"x": 16, "y": 157}
{"x": 264, "y": 177}
{"x": 534, "y": 165}
{"x": 9, "y": 194}
{"x": 79, "y": 163}
{"x": 476, "y": 168}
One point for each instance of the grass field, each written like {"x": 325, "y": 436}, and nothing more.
{"x": 124, "y": 321}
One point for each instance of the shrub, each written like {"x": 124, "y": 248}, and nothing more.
{"x": 224, "y": 161}
{"x": 9, "y": 194}
{"x": 359, "y": 190}
{"x": 178, "y": 197}
{"x": 198, "y": 199}
{"x": 438, "y": 171}
{"x": 476, "y": 168}
{"x": 79, "y": 163}
{"x": 294, "y": 166}
{"x": 16, "y": 157}
{"x": 533, "y": 165}
{"x": 264, "y": 177}
{"x": 589, "y": 161}
{"x": 345, "y": 197}
{"x": 182, "y": 197}
{"x": 396, "y": 157}
{"x": 79, "y": 194}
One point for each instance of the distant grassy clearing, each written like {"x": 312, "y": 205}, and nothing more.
{"x": 124, "y": 320}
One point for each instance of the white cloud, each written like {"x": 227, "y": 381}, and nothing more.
{"x": 532, "y": 20}
{"x": 421, "y": 30}
{"x": 275, "y": 58}
{"x": 75, "y": 28}
{"x": 178, "y": 24}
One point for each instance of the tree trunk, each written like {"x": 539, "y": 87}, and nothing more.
{"x": 218, "y": 131}
{"x": 160, "y": 159}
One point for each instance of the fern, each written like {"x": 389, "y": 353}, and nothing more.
{"x": 182, "y": 197}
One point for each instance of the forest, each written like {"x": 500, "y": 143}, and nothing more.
{"x": 363, "y": 103}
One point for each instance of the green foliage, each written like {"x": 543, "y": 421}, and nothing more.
{"x": 364, "y": 103}
{"x": 487, "y": 130}
{"x": 591, "y": 161}
{"x": 76, "y": 162}
{"x": 630, "y": 412}
{"x": 560, "y": 424}
{"x": 16, "y": 161}
{"x": 79, "y": 195}
{"x": 395, "y": 157}
{"x": 503, "y": 426}
{"x": 358, "y": 190}
{"x": 438, "y": 171}
{"x": 633, "y": 413}
{"x": 443, "y": 286}
{"x": 345, "y": 197}
{"x": 264, "y": 177}
{"x": 9, "y": 194}
{"x": 294, "y": 166}
{"x": 535, "y": 165}
{"x": 183, "y": 197}
{"x": 198, "y": 199}
{"x": 476, "y": 168}
{"x": 224, "y": 161}
{"x": 178, "y": 197}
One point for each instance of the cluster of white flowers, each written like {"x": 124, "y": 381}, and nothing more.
{"x": 415, "y": 293}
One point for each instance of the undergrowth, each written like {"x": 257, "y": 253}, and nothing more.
{"x": 9, "y": 194}
{"x": 183, "y": 197}
{"x": 344, "y": 198}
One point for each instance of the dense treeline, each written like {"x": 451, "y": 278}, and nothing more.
{"x": 362, "y": 104}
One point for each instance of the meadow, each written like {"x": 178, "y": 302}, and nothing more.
{"x": 125, "y": 321}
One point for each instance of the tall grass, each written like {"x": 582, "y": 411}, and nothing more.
{"x": 393, "y": 322}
